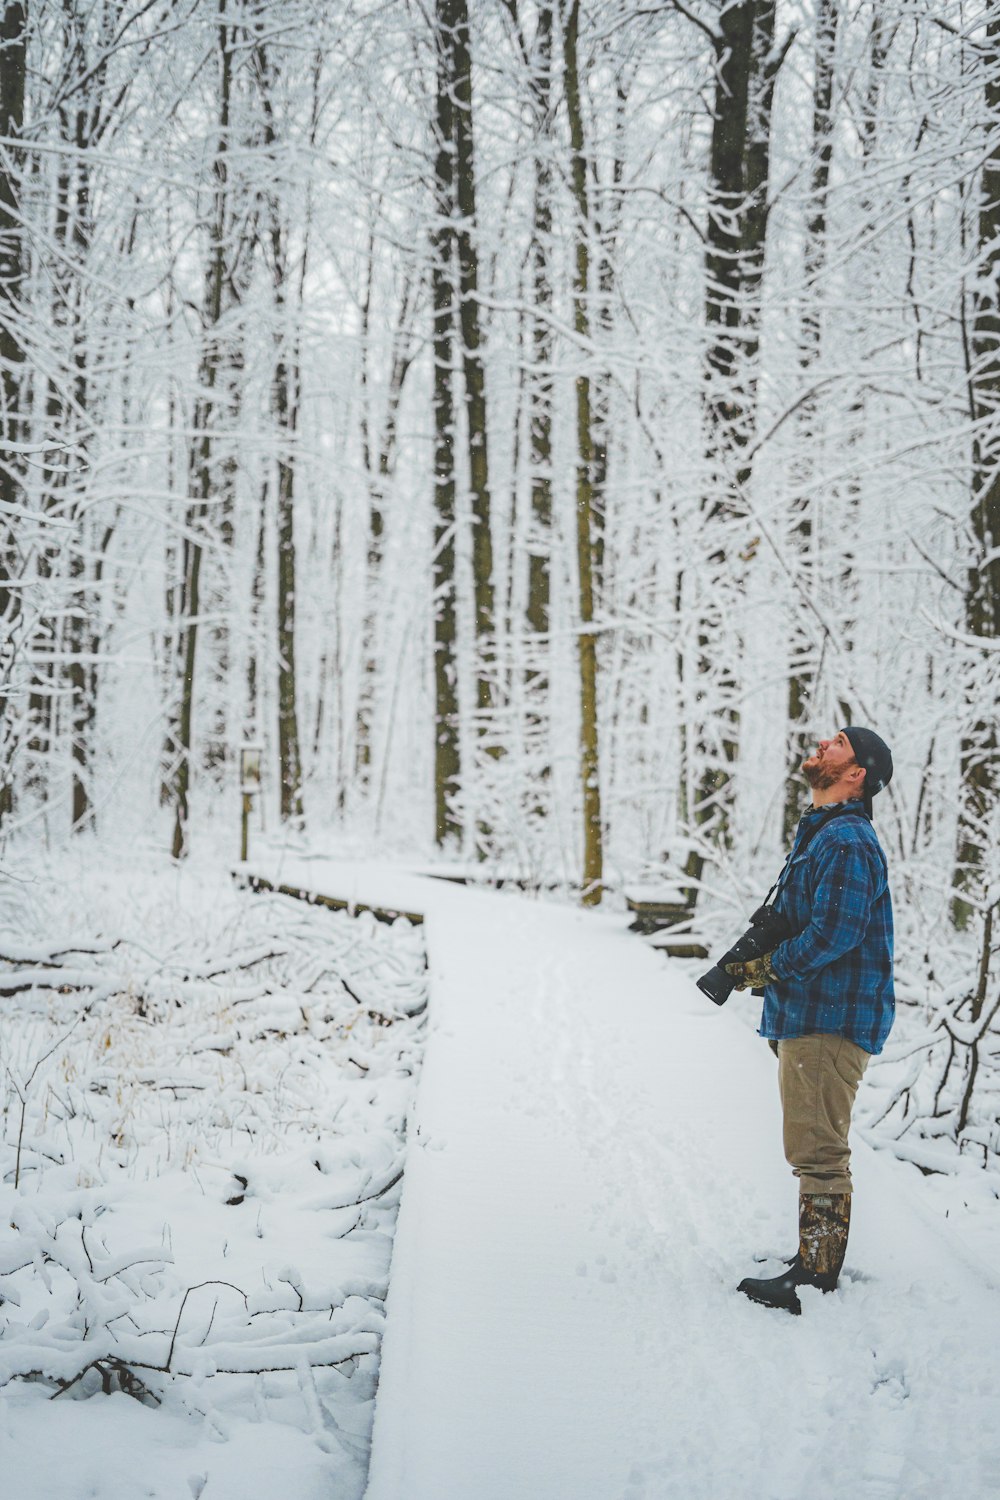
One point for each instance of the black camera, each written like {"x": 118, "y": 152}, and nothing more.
{"x": 767, "y": 929}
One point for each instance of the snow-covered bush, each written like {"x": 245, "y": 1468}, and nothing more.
{"x": 940, "y": 1073}
{"x": 204, "y": 1100}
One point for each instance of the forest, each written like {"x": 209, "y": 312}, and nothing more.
{"x": 531, "y": 424}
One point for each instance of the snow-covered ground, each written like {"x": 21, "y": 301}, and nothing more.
{"x": 594, "y": 1162}
{"x": 198, "y": 1210}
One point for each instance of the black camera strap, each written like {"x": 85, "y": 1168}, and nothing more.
{"x": 855, "y": 809}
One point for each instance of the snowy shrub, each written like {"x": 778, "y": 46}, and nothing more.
{"x": 939, "y": 1077}
{"x": 204, "y": 1105}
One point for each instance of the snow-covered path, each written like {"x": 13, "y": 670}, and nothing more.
{"x": 595, "y": 1164}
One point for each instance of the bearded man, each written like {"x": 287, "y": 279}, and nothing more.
{"x": 828, "y": 996}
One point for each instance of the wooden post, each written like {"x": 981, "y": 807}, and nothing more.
{"x": 250, "y": 778}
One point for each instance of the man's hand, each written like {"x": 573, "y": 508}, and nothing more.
{"x": 754, "y": 974}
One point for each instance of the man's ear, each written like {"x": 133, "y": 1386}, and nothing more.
{"x": 858, "y": 775}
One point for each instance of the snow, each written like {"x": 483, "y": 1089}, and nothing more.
{"x": 203, "y": 1201}
{"x": 593, "y": 1163}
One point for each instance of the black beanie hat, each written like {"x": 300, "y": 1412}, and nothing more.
{"x": 871, "y": 752}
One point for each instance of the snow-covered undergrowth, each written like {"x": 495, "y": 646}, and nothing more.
{"x": 204, "y": 1097}
{"x": 940, "y": 1072}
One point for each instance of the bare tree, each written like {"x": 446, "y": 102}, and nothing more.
{"x": 593, "y": 833}
{"x": 801, "y": 656}
{"x": 473, "y": 366}
{"x": 202, "y": 456}
{"x": 447, "y": 764}
{"x": 981, "y": 739}
{"x": 13, "y": 57}
{"x": 746, "y": 67}
{"x": 288, "y": 285}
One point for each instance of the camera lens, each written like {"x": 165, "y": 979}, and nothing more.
{"x": 716, "y": 984}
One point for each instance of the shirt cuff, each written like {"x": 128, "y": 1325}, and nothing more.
{"x": 776, "y": 966}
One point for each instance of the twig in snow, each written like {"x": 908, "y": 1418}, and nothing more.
{"x": 111, "y": 1370}
{"x": 368, "y": 1197}
{"x": 57, "y": 953}
{"x": 165, "y": 1369}
{"x": 23, "y": 1096}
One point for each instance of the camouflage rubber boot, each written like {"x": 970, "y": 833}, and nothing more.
{"x": 824, "y": 1219}
{"x": 824, "y": 1223}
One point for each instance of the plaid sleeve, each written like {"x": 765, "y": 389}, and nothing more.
{"x": 840, "y": 909}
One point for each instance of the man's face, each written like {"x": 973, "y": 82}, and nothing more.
{"x": 827, "y": 765}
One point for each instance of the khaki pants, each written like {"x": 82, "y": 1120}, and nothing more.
{"x": 818, "y": 1077}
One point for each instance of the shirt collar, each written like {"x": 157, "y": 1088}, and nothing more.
{"x": 820, "y": 814}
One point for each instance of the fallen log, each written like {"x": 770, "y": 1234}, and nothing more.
{"x": 334, "y": 903}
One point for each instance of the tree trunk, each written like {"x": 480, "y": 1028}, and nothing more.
{"x": 725, "y": 414}
{"x": 447, "y": 764}
{"x": 69, "y": 670}
{"x": 285, "y": 406}
{"x": 725, "y": 417}
{"x": 285, "y": 414}
{"x": 746, "y": 69}
{"x": 607, "y": 221}
{"x": 801, "y": 679}
{"x": 13, "y": 59}
{"x": 539, "y": 386}
{"x": 200, "y": 472}
{"x": 472, "y": 360}
{"x": 82, "y": 711}
{"x": 764, "y": 65}
{"x": 593, "y": 858}
{"x": 540, "y": 379}
{"x": 980, "y": 755}
{"x": 254, "y": 715}
{"x": 191, "y": 596}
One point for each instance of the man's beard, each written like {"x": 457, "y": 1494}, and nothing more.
{"x": 820, "y": 777}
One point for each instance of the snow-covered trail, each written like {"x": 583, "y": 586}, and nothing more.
{"x": 595, "y": 1163}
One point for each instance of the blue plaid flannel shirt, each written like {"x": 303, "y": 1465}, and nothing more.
{"x": 835, "y": 975}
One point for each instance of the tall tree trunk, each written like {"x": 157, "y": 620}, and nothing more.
{"x": 746, "y": 68}
{"x": 539, "y": 386}
{"x": 764, "y": 64}
{"x": 254, "y": 716}
{"x": 376, "y": 528}
{"x": 82, "y": 710}
{"x": 201, "y": 460}
{"x": 606, "y": 226}
{"x": 447, "y": 763}
{"x": 472, "y": 360}
{"x": 725, "y": 417}
{"x": 66, "y": 674}
{"x": 593, "y": 855}
{"x": 285, "y": 405}
{"x": 801, "y": 678}
{"x": 540, "y": 378}
{"x": 285, "y": 383}
{"x": 13, "y": 60}
{"x": 981, "y": 742}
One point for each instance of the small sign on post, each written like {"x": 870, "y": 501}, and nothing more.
{"x": 250, "y": 778}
